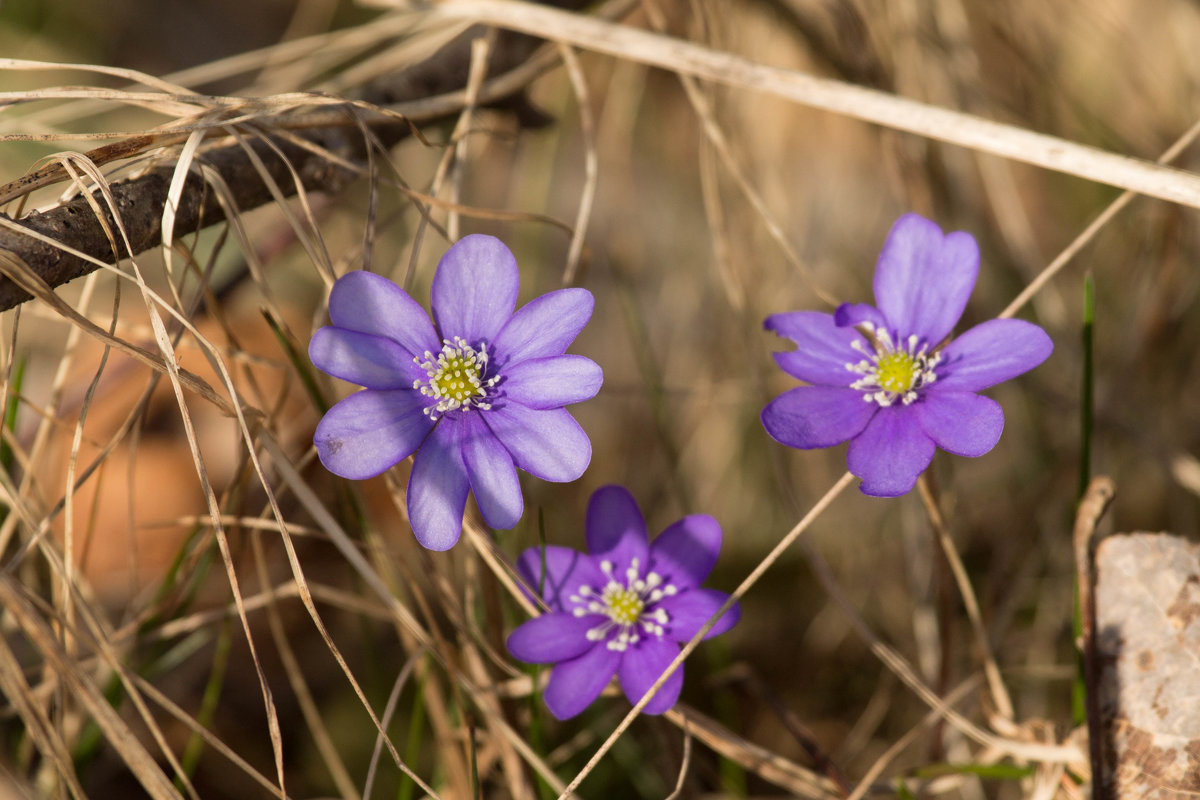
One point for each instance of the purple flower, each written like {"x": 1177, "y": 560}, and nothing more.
{"x": 888, "y": 379}
{"x": 624, "y": 609}
{"x": 475, "y": 394}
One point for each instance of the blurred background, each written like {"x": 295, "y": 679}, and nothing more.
{"x": 710, "y": 211}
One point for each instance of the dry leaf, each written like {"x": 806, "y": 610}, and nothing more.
{"x": 1148, "y": 643}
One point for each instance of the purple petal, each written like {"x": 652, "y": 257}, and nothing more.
{"x": 370, "y": 431}
{"x": 370, "y": 303}
{"x": 961, "y": 423}
{"x": 824, "y": 348}
{"x": 992, "y": 352}
{"x": 641, "y": 667}
{"x": 551, "y": 638}
{"x": 546, "y": 443}
{"x": 491, "y": 473}
{"x": 688, "y": 611}
{"x": 817, "y": 416}
{"x": 552, "y": 382}
{"x": 850, "y": 314}
{"x": 565, "y": 571}
{"x": 362, "y": 358}
{"x": 576, "y": 683}
{"x": 616, "y": 529}
{"x": 475, "y": 289}
{"x": 545, "y": 326}
{"x": 890, "y": 453}
{"x": 437, "y": 488}
{"x": 923, "y": 278}
{"x": 687, "y": 550}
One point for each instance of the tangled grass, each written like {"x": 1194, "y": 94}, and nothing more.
{"x": 193, "y": 607}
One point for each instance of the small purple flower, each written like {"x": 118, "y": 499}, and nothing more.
{"x": 624, "y": 609}
{"x": 475, "y": 394}
{"x": 888, "y": 379}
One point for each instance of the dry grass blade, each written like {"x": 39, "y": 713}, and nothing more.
{"x": 1093, "y": 228}
{"x": 335, "y": 532}
{"x": 768, "y": 765}
{"x": 19, "y": 272}
{"x": 868, "y": 105}
{"x": 897, "y": 747}
{"x": 211, "y": 739}
{"x": 29, "y": 707}
{"x": 1100, "y": 493}
{"x": 709, "y": 179}
{"x": 116, "y": 731}
{"x": 747, "y": 583}
{"x": 300, "y": 688}
{"x": 903, "y": 670}
{"x": 999, "y": 691}
{"x": 587, "y": 197}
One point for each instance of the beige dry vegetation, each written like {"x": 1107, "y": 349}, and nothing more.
{"x": 193, "y": 607}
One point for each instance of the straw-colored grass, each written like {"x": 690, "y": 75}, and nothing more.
{"x": 193, "y": 607}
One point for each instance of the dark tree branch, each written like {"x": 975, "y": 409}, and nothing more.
{"x": 74, "y": 225}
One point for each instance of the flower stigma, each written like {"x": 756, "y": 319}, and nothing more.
{"x": 892, "y": 371}
{"x": 455, "y": 377}
{"x": 628, "y": 606}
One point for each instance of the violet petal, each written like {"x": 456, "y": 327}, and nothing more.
{"x": 686, "y": 552}
{"x": 546, "y": 443}
{"x": 616, "y": 529}
{"x": 551, "y": 638}
{"x": 850, "y": 314}
{"x": 990, "y": 353}
{"x": 817, "y": 416}
{"x": 824, "y": 348}
{"x": 640, "y": 668}
{"x": 371, "y": 431}
{"x": 962, "y": 423}
{"x": 370, "y": 303}
{"x": 437, "y": 488}
{"x": 545, "y": 326}
{"x": 574, "y": 684}
{"x": 552, "y": 382}
{"x": 491, "y": 473}
{"x": 923, "y": 278}
{"x": 475, "y": 289}
{"x": 565, "y": 571}
{"x": 890, "y": 453}
{"x": 363, "y": 358}
{"x": 688, "y": 611}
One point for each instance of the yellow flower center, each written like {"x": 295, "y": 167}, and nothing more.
{"x": 896, "y": 371}
{"x": 624, "y": 606}
{"x": 892, "y": 371}
{"x": 456, "y": 377}
{"x": 629, "y": 608}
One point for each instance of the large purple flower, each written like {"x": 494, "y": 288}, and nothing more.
{"x": 888, "y": 379}
{"x": 624, "y": 609}
{"x": 475, "y": 394}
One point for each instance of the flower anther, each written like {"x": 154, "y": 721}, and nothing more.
{"x": 629, "y": 606}
{"x": 457, "y": 377}
{"x": 892, "y": 370}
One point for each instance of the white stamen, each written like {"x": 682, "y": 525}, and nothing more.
{"x": 628, "y": 607}
{"x": 892, "y": 372}
{"x": 455, "y": 377}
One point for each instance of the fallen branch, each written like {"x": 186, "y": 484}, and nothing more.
{"x": 321, "y": 151}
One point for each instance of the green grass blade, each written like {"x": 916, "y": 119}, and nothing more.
{"x": 1079, "y": 685}
{"x": 10, "y": 411}
{"x": 299, "y": 362}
